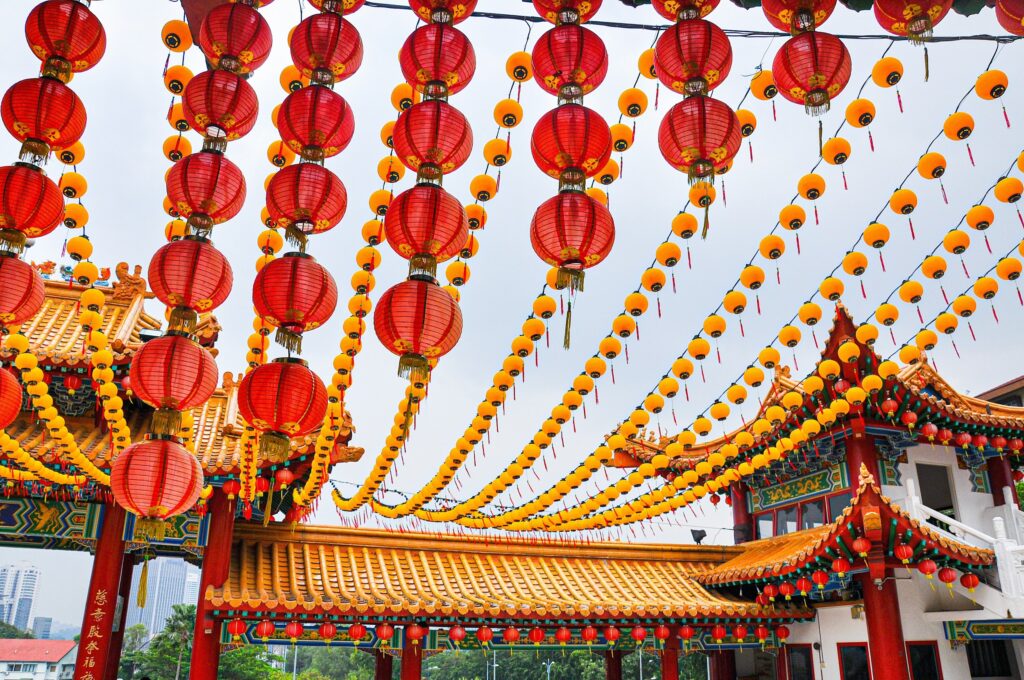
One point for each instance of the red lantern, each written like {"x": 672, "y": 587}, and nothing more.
{"x": 293, "y": 629}
{"x": 979, "y": 441}
{"x": 65, "y": 31}
{"x": 457, "y": 634}
{"x": 30, "y": 203}
{"x": 206, "y": 189}
{"x": 861, "y": 546}
{"x": 821, "y": 578}
{"x": 929, "y": 430}
{"x": 787, "y": 589}
{"x": 156, "y": 478}
{"x": 739, "y": 633}
{"x": 678, "y": 10}
{"x": 812, "y": 69}
{"x": 948, "y": 575}
{"x": 415, "y": 633}
{"x": 296, "y": 294}
{"x": 44, "y": 114}
{"x": 306, "y": 198}
{"x": 231, "y": 487}
{"x": 889, "y": 407}
{"x": 999, "y": 443}
{"x": 356, "y": 632}
{"x": 220, "y": 105}
{"x": 555, "y": 10}
{"x": 337, "y": 6}
{"x": 970, "y": 581}
{"x": 417, "y": 321}
{"x": 841, "y": 566}
{"x": 173, "y": 373}
{"x": 11, "y": 397}
{"x": 1018, "y": 476}
{"x": 536, "y": 635}
{"x": 484, "y": 634}
{"x": 662, "y": 632}
{"x": 72, "y": 383}
{"x": 191, "y": 276}
{"x": 384, "y": 632}
{"x": 782, "y": 632}
{"x": 510, "y": 635}
{"x": 326, "y": 48}
{"x": 569, "y": 141}
{"x": 699, "y": 136}
{"x": 262, "y": 485}
{"x": 427, "y": 225}
{"x": 573, "y": 232}
{"x": 22, "y": 292}
{"x": 563, "y": 635}
{"x": 762, "y": 600}
{"x": 327, "y": 632}
{"x": 432, "y": 138}
{"x": 686, "y": 632}
{"x": 457, "y": 10}
{"x": 316, "y": 122}
{"x": 718, "y": 633}
{"x": 588, "y": 634}
{"x": 944, "y": 435}
{"x": 1015, "y": 444}
{"x": 639, "y": 633}
{"x": 903, "y": 553}
{"x": 692, "y": 57}
{"x": 962, "y": 439}
{"x": 612, "y": 634}
{"x": 797, "y": 16}
{"x": 265, "y": 630}
{"x": 569, "y": 60}
{"x": 237, "y": 628}
{"x": 909, "y": 419}
{"x": 437, "y": 59}
{"x": 762, "y": 633}
{"x": 1010, "y": 15}
{"x": 928, "y": 568}
{"x": 282, "y": 479}
{"x": 282, "y": 399}
{"x": 912, "y": 19}
{"x": 235, "y": 37}
{"x": 804, "y": 585}
{"x": 771, "y": 591}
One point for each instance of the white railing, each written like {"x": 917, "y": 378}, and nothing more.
{"x": 1006, "y": 543}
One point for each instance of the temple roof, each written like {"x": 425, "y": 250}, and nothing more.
{"x": 370, "y": 572}
{"x": 869, "y": 514}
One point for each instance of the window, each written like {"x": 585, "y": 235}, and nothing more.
{"x": 812, "y": 514}
{"x": 924, "y": 660}
{"x": 853, "y": 661}
{"x": 838, "y": 503}
{"x": 785, "y": 522}
{"x": 989, "y": 659}
{"x": 765, "y": 525}
{"x": 801, "y": 662}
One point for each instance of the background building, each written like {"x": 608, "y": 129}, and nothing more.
{"x": 18, "y": 583}
{"x": 37, "y": 659}
{"x": 168, "y": 582}
{"x": 42, "y": 626}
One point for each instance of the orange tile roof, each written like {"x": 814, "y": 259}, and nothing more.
{"x": 784, "y": 554}
{"x": 370, "y": 572}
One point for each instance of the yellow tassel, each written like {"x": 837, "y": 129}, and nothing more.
{"x": 568, "y": 326}
{"x": 140, "y": 598}
{"x": 267, "y": 508}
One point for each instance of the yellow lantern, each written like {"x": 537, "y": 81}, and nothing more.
{"x": 926, "y": 339}
{"x": 888, "y": 369}
{"x": 636, "y": 304}
{"x": 762, "y": 85}
{"x": 886, "y": 72}
{"x": 911, "y": 291}
{"x": 544, "y": 306}
{"x": 79, "y": 248}
{"x": 792, "y": 400}
{"x": 519, "y": 66}
{"x": 876, "y": 235}
{"x": 654, "y": 403}
{"x": 836, "y": 151}
{"x": 668, "y": 386}
{"x": 932, "y": 165}
{"x": 583, "y": 384}
{"x": 668, "y": 254}
{"x": 831, "y": 288}
{"x": 684, "y": 225}
{"x": 682, "y": 368}
{"x": 991, "y": 84}
{"x": 702, "y": 426}
{"x": 829, "y": 369}
{"x": 855, "y": 263}
{"x": 856, "y": 395}
{"x": 483, "y": 187}
{"x": 534, "y": 328}
{"x": 609, "y": 347}
{"x": 734, "y": 302}
{"x": 934, "y": 267}
{"x": 792, "y": 217}
{"x": 769, "y": 357}
{"x": 956, "y": 242}
{"x": 789, "y": 336}
{"x": 176, "y": 35}
{"x": 1008, "y": 190}
{"x": 522, "y": 346}
{"x": 903, "y": 201}
{"x": 958, "y": 125}
{"x": 860, "y": 113}
{"x": 986, "y": 287}
{"x": 848, "y": 352}
{"x": 497, "y": 152}
{"x": 698, "y": 348}
{"x": 772, "y": 247}
{"x": 507, "y": 113}
{"x": 752, "y": 277}
{"x": 811, "y": 186}
{"x": 866, "y": 334}
{"x": 910, "y": 354}
{"x": 737, "y": 394}
{"x": 622, "y": 136}
{"x": 887, "y": 314}
{"x": 753, "y": 376}
{"x": 176, "y": 147}
{"x": 714, "y": 325}
{"x": 632, "y": 102}
{"x": 653, "y": 279}
{"x": 809, "y": 313}
{"x": 595, "y": 367}
{"x": 872, "y": 383}
{"x": 719, "y": 411}
{"x": 748, "y": 122}
{"x": 623, "y": 326}
{"x": 1008, "y": 269}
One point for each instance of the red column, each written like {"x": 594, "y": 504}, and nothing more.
{"x": 860, "y": 450}
{"x": 1000, "y": 475}
{"x": 670, "y": 659}
{"x": 887, "y": 652}
{"x": 742, "y": 520}
{"x": 382, "y": 666}
{"x": 782, "y": 664}
{"x": 613, "y": 665}
{"x": 95, "y": 647}
{"x": 216, "y": 562}
{"x": 117, "y": 636}
{"x": 412, "y": 660}
{"x": 723, "y": 665}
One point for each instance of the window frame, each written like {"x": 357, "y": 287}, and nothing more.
{"x": 839, "y": 654}
{"x": 810, "y": 648}
{"x": 799, "y": 507}
{"x": 934, "y": 644}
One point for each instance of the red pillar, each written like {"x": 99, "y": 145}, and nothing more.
{"x": 613, "y": 665}
{"x": 117, "y": 636}
{"x": 887, "y": 652}
{"x": 216, "y": 562}
{"x": 742, "y": 520}
{"x": 999, "y": 475}
{"x": 670, "y": 659}
{"x": 860, "y": 450}
{"x": 723, "y": 664}
{"x": 95, "y": 647}
{"x": 382, "y": 668}
{"x": 412, "y": 661}
{"x": 782, "y": 664}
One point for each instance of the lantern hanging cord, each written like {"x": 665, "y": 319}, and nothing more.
{"x": 732, "y": 33}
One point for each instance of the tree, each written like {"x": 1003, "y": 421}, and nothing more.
{"x": 131, "y": 649}
{"x": 248, "y": 662}
{"x": 8, "y": 632}
{"x": 167, "y": 655}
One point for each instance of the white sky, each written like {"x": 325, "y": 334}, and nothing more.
{"x": 127, "y": 104}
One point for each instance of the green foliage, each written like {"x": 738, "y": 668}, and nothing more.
{"x": 9, "y": 632}
{"x": 250, "y": 662}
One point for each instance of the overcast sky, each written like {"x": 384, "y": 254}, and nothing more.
{"x": 127, "y": 104}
